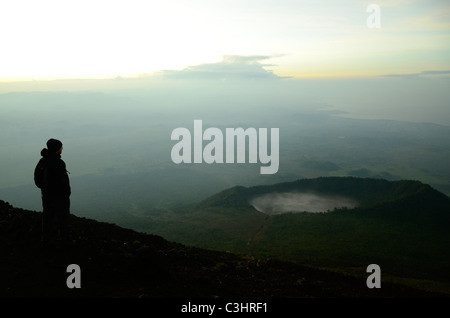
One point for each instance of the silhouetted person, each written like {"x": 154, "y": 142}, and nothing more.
{"x": 55, "y": 188}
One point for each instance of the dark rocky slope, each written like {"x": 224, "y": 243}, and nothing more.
{"x": 121, "y": 263}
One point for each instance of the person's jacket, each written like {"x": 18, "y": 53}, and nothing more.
{"x": 57, "y": 176}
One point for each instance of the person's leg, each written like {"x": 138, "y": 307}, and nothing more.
{"x": 48, "y": 217}
{"x": 63, "y": 218}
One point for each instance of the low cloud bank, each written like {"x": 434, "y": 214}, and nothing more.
{"x": 279, "y": 203}
{"x": 231, "y": 67}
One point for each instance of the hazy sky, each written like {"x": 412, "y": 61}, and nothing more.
{"x": 53, "y": 39}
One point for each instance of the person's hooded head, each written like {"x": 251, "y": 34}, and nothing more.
{"x": 53, "y": 148}
{"x": 54, "y": 145}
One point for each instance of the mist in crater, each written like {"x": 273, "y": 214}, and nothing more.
{"x": 295, "y": 202}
